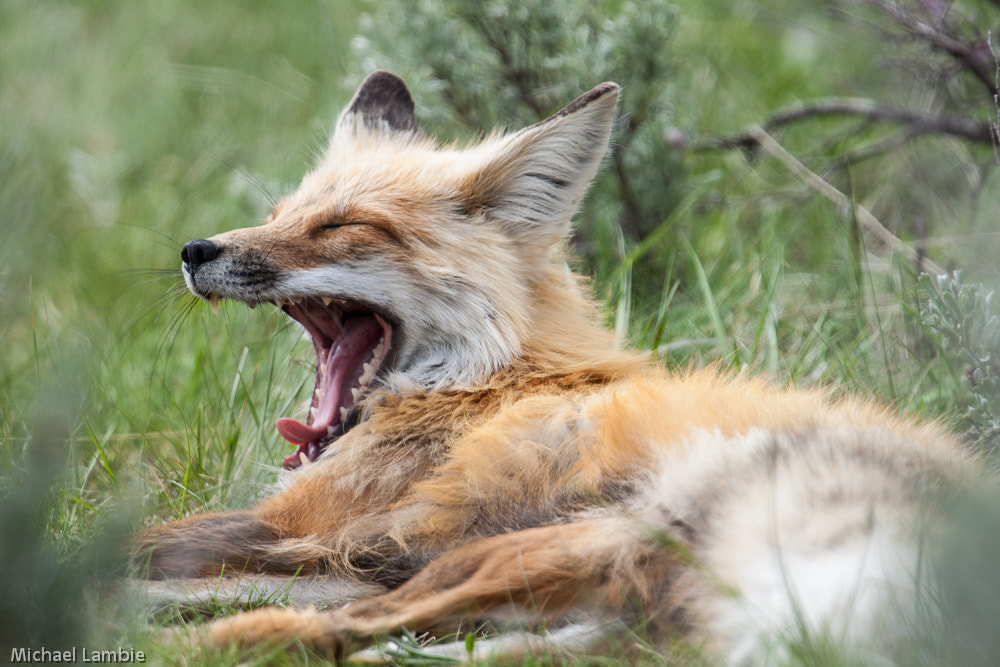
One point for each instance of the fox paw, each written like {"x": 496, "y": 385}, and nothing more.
{"x": 276, "y": 627}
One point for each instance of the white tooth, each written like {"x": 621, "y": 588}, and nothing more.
{"x": 343, "y": 417}
{"x": 312, "y": 412}
{"x": 367, "y": 374}
{"x": 304, "y": 459}
{"x": 355, "y": 393}
{"x": 319, "y": 393}
{"x": 330, "y": 431}
{"x": 377, "y": 352}
{"x": 322, "y": 369}
{"x": 326, "y": 300}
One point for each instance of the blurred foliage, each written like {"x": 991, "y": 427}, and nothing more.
{"x": 965, "y": 634}
{"x": 963, "y": 325}
{"x": 57, "y": 588}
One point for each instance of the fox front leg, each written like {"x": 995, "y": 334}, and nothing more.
{"x": 228, "y": 542}
{"x": 543, "y": 572}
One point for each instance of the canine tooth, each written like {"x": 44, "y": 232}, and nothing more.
{"x": 304, "y": 459}
{"x": 343, "y": 417}
{"x": 214, "y": 300}
{"x": 355, "y": 393}
{"x": 312, "y": 412}
{"x": 326, "y": 300}
{"x": 377, "y": 352}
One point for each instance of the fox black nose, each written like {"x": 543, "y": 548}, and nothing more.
{"x": 198, "y": 252}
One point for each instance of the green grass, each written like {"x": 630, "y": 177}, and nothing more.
{"x": 127, "y": 129}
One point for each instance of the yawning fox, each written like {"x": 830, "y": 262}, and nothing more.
{"x": 477, "y": 447}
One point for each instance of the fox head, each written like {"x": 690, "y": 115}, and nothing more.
{"x": 410, "y": 264}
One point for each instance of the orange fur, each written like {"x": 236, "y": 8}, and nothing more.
{"x": 506, "y": 455}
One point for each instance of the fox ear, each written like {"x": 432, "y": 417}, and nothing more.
{"x": 533, "y": 180}
{"x": 382, "y": 104}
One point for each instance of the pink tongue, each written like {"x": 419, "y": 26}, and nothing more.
{"x": 358, "y": 337}
{"x": 298, "y": 433}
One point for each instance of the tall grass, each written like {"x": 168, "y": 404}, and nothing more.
{"x": 127, "y": 129}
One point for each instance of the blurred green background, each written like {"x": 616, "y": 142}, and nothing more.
{"x": 128, "y": 128}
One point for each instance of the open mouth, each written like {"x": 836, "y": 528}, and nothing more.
{"x": 351, "y": 342}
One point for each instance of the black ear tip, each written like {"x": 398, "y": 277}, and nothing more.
{"x": 602, "y": 89}
{"x": 383, "y": 77}
{"x": 594, "y": 94}
{"x": 384, "y": 97}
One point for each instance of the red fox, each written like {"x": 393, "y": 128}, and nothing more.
{"x": 477, "y": 446}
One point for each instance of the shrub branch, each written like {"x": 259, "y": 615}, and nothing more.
{"x": 970, "y": 55}
{"x": 914, "y": 122}
{"x": 871, "y": 223}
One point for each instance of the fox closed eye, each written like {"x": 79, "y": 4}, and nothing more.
{"x": 339, "y": 224}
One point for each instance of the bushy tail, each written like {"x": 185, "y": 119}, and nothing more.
{"x": 812, "y": 538}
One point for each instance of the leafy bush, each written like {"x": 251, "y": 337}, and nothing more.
{"x": 963, "y": 325}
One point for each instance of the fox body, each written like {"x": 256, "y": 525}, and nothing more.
{"x": 476, "y": 443}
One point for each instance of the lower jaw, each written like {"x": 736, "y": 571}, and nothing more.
{"x": 306, "y": 455}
